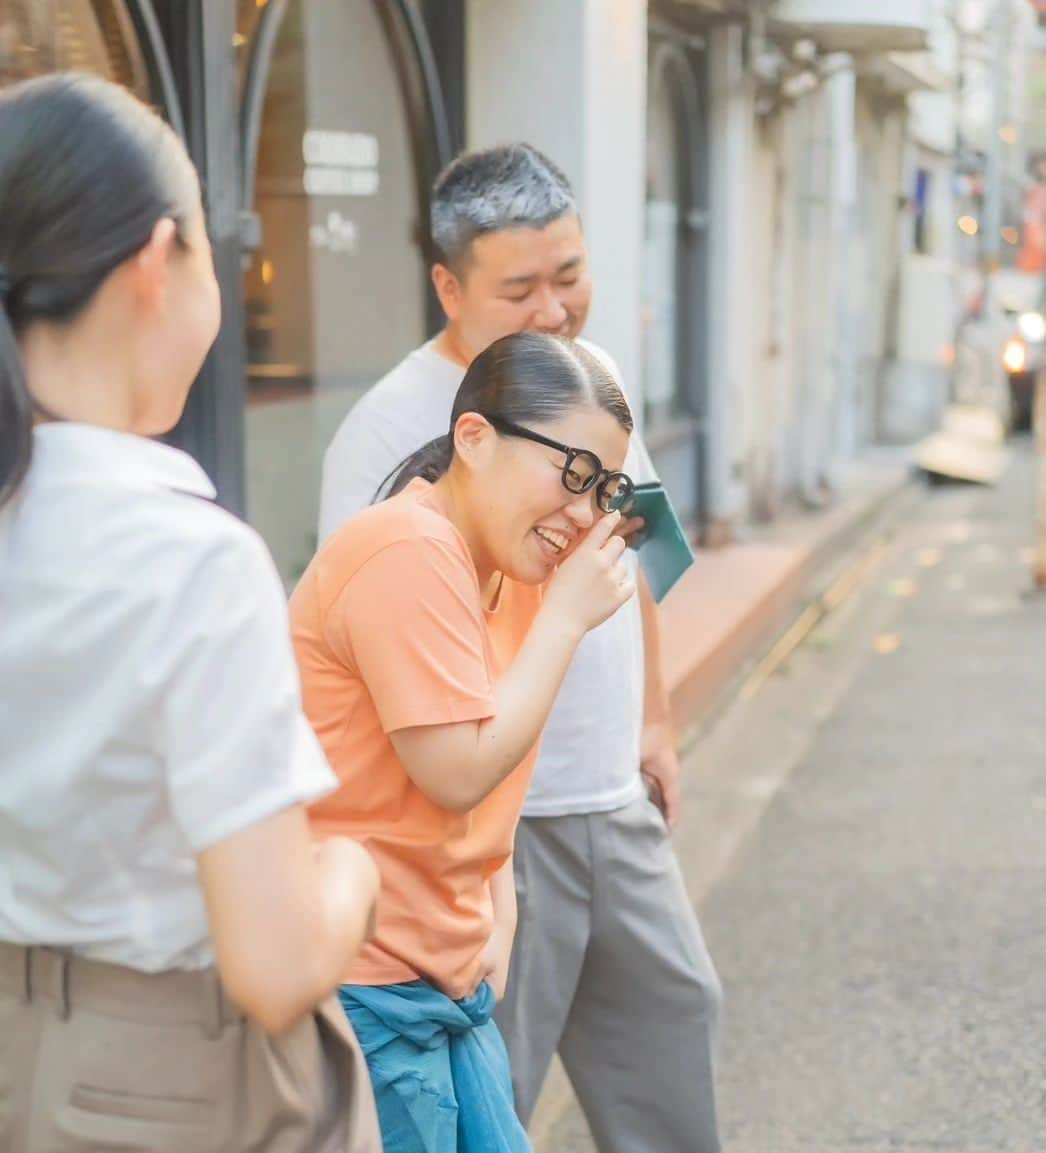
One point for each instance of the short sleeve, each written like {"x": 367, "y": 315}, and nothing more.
{"x": 238, "y": 747}
{"x": 411, "y": 623}
{"x": 365, "y": 450}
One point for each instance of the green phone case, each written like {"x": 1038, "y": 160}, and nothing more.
{"x": 664, "y": 551}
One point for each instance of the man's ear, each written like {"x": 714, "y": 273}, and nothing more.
{"x": 474, "y": 439}
{"x": 448, "y": 290}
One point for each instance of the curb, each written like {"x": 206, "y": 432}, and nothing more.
{"x": 708, "y": 683}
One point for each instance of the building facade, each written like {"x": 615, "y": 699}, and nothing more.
{"x": 767, "y": 189}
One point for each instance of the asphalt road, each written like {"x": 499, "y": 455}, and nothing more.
{"x": 866, "y": 844}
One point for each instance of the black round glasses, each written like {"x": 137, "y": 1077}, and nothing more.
{"x": 582, "y": 470}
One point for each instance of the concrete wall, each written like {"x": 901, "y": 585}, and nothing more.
{"x": 766, "y": 392}
{"x": 807, "y": 245}
{"x": 569, "y": 76}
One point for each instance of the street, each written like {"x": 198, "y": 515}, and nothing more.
{"x": 334, "y": 339}
{"x": 865, "y": 842}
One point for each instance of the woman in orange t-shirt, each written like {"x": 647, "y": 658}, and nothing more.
{"x": 432, "y": 643}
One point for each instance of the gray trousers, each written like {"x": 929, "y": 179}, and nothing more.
{"x": 610, "y": 968}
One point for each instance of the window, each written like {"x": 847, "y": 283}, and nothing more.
{"x": 40, "y": 36}
{"x": 921, "y": 202}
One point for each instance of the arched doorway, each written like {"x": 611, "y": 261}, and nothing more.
{"x": 119, "y": 40}
{"x": 342, "y": 132}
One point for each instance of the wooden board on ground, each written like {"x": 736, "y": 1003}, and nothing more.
{"x": 970, "y": 446}
{"x": 960, "y": 458}
{"x": 974, "y": 423}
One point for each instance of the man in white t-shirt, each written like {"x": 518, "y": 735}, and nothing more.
{"x": 609, "y": 967}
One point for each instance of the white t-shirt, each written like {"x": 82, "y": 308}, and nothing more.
{"x": 589, "y": 758}
{"x": 149, "y": 699}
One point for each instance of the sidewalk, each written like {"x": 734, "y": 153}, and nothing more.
{"x": 735, "y": 600}
{"x": 726, "y": 613}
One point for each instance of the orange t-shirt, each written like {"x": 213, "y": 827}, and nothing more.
{"x": 390, "y": 632}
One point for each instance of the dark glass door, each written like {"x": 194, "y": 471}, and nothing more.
{"x": 338, "y": 162}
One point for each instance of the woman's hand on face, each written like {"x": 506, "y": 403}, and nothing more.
{"x": 592, "y": 583}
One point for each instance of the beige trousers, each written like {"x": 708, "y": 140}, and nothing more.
{"x": 97, "y": 1057}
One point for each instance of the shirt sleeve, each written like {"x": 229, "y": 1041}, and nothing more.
{"x": 411, "y": 624}
{"x": 238, "y": 747}
{"x": 365, "y": 450}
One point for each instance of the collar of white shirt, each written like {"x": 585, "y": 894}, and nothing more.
{"x": 130, "y": 461}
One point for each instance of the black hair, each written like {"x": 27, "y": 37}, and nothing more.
{"x": 526, "y": 378}
{"x": 86, "y": 172}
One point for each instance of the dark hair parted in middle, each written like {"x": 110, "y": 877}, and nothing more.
{"x": 526, "y": 378}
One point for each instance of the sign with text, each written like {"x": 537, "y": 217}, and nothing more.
{"x": 340, "y": 163}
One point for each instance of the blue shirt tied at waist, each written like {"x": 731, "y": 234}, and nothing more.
{"x": 439, "y": 1069}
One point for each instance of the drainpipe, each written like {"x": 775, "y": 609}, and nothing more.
{"x": 840, "y": 88}
{"x": 727, "y": 161}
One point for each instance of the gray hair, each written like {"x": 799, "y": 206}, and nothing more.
{"x": 511, "y": 186}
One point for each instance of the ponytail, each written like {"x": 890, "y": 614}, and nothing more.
{"x": 430, "y": 462}
{"x": 16, "y": 410}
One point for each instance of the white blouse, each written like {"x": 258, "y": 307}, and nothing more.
{"x": 149, "y": 699}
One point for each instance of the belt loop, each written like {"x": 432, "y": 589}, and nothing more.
{"x": 26, "y": 991}
{"x": 60, "y": 978}
{"x": 212, "y": 1004}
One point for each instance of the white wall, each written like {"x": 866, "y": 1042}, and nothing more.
{"x": 932, "y": 115}
{"x": 569, "y": 77}
{"x": 915, "y": 383}
{"x": 525, "y": 77}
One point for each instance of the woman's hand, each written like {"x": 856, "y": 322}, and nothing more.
{"x": 340, "y": 857}
{"x": 592, "y": 583}
{"x": 659, "y": 764}
{"x": 496, "y": 958}
{"x": 286, "y": 917}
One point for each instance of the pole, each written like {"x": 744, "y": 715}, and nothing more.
{"x": 991, "y": 233}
